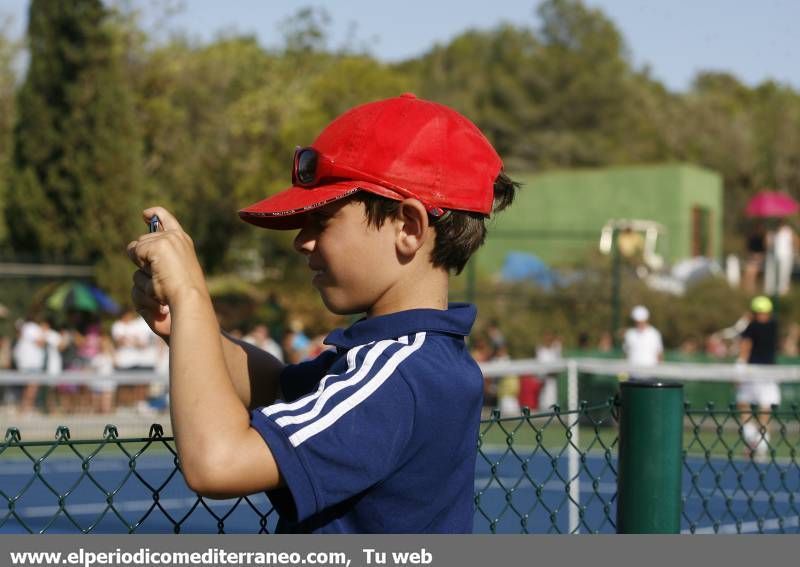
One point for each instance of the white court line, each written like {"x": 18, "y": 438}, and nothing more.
{"x": 74, "y": 466}
{"x": 551, "y": 485}
{"x": 750, "y": 527}
{"x": 611, "y": 488}
{"x": 123, "y": 506}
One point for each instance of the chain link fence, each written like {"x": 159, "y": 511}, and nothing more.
{"x": 741, "y": 472}
{"x": 552, "y": 472}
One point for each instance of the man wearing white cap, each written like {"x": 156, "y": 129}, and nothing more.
{"x": 643, "y": 341}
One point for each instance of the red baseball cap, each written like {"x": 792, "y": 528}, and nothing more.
{"x": 399, "y": 147}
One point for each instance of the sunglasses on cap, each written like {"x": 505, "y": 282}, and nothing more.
{"x": 310, "y": 167}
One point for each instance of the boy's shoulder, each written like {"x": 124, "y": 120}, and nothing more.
{"x": 411, "y": 326}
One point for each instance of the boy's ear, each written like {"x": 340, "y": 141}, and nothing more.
{"x": 412, "y": 224}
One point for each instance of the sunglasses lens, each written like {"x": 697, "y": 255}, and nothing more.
{"x": 306, "y": 166}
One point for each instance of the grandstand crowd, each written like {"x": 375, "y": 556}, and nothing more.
{"x": 86, "y": 343}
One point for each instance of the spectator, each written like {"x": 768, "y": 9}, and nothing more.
{"x": 507, "y": 388}
{"x": 102, "y": 390}
{"x": 135, "y": 350}
{"x": 5, "y": 344}
{"x": 548, "y": 350}
{"x": 29, "y": 354}
{"x": 758, "y": 346}
{"x": 642, "y": 342}
{"x": 159, "y": 391}
{"x": 481, "y": 351}
{"x": 259, "y": 336}
{"x": 756, "y": 252}
{"x": 715, "y": 346}
{"x": 689, "y": 348}
{"x": 55, "y": 344}
{"x": 606, "y": 342}
{"x": 317, "y": 346}
{"x": 5, "y": 352}
{"x": 785, "y": 246}
{"x": 296, "y": 344}
{"x": 497, "y": 339}
{"x": 88, "y": 346}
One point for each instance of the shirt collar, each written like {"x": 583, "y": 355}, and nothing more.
{"x": 456, "y": 320}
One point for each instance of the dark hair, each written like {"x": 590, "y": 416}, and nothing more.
{"x": 458, "y": 233}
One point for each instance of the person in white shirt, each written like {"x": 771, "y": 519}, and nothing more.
{"x": 261, "y": 338}
{"x": 55, "y": 343}
{"x": 548, "y": 350}
{"x": 642, "y": 342}
{"x": 784, "y": 248}
{"x": 135, "y": 343}
{"x": 134, "y": 350}
{"x": 29, "y": 356}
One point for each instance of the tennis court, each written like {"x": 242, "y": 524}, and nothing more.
{"x": 524, "y": 491}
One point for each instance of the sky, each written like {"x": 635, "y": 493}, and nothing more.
{"x": 756, "y": 40}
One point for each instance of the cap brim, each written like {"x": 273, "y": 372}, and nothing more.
{"x": 286, "y": 210}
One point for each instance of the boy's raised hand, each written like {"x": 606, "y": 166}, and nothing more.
{"x": 168, "y": 270}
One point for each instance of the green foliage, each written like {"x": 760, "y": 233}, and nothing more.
{"x": 108, "y": 121}
{"x": 8, "y": 53}
{"x": 76, "y": 164}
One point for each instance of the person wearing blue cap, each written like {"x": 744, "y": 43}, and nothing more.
{"x": 759, "y": 344}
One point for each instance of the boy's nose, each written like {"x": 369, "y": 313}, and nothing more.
{"x": 304, "y": 241}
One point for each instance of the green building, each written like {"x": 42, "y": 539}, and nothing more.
{"x": 559, "y": 215}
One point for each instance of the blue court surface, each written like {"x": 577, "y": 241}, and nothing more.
{"x": 522, "y": 495}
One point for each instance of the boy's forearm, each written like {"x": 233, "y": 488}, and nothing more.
{"x": 204, "y": 405}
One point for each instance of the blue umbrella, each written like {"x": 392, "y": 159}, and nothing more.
{"x": 83, "y": 297}
{"x": 523, "y": 266}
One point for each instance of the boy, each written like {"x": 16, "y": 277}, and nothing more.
{"x": 378, "y": 435}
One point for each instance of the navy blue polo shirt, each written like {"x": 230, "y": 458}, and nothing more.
{"x": 379, "y": 436}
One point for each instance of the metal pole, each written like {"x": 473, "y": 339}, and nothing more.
{"x": 616, "y": 270}
{"x": 574, "y": 454}
{"x": 650, "y": 448}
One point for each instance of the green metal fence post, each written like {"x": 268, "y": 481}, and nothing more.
{"x": 650, "y": 445}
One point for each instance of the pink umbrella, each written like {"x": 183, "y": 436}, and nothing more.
{"x": 768, "y": 203}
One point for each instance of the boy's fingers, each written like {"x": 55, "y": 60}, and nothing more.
{"x": 143, "y": 289}
{"x": 134, "y": 257}
{"x": 144, "y": 302}
{"x": 168, "y": 221}
{"x": 137, "y": 258}
{"x": 143, "y": 282}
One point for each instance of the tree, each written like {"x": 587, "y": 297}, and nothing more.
{"x": 221, "y": 121}
{"x": 8, "y": 52}
{"x": 76, "y": 153}
{"x": 556, "y": 96}
{"x": 490, "y": 77}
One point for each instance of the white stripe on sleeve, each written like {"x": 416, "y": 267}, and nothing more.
{"x": 369, "y": 361}
{"x": 305, "y": 400}
{"x": 359, "y": 396}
